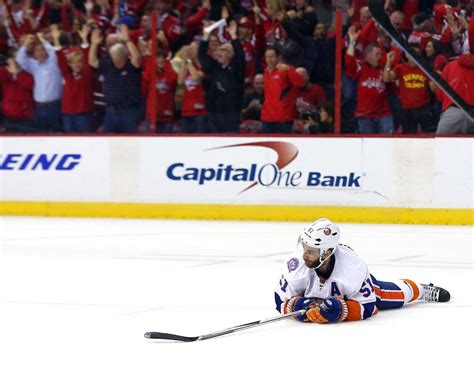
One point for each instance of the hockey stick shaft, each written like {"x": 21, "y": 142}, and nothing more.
{"x": 251, "y": 325}
{"x": 233, "y": 329}
{"x": 378, "y": 12}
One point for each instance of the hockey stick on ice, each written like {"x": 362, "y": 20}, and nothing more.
{"x": 378, "y": 12}
{"x": 177, "y": 337}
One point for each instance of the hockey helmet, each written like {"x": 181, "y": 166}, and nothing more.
{"x": 322, "y": 234}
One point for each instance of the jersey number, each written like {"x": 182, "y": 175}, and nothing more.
{"x": 283, "y": 283}
{"x": 367, "y": 288}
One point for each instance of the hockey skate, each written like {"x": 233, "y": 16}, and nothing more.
{"x": 433, "y": 293}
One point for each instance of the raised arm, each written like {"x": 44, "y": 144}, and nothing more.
{"x": 388, "y": 74}
{"x": 349, "y": 59}
{"x": 56, "y": 34}
{"x": 187, "y": 65}
{"x": 28, "y": 12}
{"x": 96, "y": 39}
{"x": 194, "y": 22}
{"x": 205, "y": 60}
{"x": 239, "y": 55}
{"x": 84, "y": 34}
{"x": 366, "y": 34}
{"x": 23, "y": 60}
{"x": 353, "y": 35}
{"x": 296, "y": 79}
{"x": 135, "y": 56}
{"x": 62, "y": 62}
{"x": 50, "y": 49}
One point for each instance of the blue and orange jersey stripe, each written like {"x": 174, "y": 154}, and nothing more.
{"x": 389, "y": 295}
{"x": 358, "y": 311}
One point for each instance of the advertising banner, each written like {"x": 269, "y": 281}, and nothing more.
{"x": 54, "y": 169}
{"x": 339, "y": 172}
{"x": 266, "y": 171}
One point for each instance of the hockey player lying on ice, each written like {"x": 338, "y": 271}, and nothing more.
{"x": 333, "y": 284}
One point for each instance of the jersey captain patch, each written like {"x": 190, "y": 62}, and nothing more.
{"x": 292, "y": 264}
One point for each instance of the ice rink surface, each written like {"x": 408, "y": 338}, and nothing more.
{"x": 77, "y": 295}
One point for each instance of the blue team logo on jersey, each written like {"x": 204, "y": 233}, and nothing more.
{"x": 292, "y": 264}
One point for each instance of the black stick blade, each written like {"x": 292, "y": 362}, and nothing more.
{"x": 167, "y": 336}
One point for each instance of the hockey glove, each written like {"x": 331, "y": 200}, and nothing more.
{"x": 297, "y": 303}
{"x": 330, "y": 310}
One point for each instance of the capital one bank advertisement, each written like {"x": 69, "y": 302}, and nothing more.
{"x": 278, "y": 171}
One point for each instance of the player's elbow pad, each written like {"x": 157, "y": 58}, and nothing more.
{"x": 358, "y": 311}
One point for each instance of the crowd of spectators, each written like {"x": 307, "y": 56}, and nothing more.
{"x": 85, "y": 66}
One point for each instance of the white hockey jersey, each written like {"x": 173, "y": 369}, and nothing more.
{"x": 350, "y": 278}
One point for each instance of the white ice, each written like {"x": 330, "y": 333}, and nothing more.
{"x": 77, "y": 295}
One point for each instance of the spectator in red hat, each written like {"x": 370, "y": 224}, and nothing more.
{"x": 459, "y": 74}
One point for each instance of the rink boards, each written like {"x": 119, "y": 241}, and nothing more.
{"x": 387, "y": 180}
